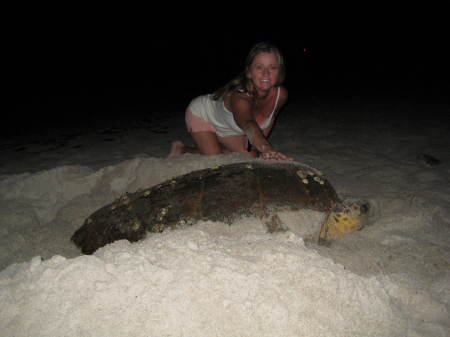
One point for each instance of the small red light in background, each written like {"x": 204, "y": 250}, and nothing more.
{"x": 306, "y": 51}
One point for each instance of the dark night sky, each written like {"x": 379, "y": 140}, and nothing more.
{"x": 110, "y": 66}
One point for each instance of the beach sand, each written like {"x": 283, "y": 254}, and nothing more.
{"x": 390, "y": 279}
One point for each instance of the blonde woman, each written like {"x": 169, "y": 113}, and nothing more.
{"x": 239, "y": 116}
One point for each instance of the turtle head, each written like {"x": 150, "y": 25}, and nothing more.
{"x": 346, "y": 218}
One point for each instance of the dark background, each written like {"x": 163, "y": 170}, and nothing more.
{"x": 62, "y": 69}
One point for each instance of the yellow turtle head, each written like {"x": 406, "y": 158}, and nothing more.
{"x": 343, "y": 220}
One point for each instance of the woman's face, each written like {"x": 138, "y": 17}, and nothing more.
{"x": 264, "y": 71}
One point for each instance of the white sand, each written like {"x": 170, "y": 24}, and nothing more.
{"x": 390, "y": 279}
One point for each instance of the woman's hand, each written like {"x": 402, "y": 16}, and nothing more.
{"x": 274, "y": 155}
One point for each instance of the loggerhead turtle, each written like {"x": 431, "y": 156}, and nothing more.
{"x": 223, "y": 193}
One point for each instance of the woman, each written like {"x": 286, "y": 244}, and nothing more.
{"x": 239, "y": 116}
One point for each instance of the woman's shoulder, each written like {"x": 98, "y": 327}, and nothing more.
{"x": 238, "y": 97}
{"x": 283, "y": 93}
{"x": 236, "y": 94}
{"x": 236, "y": 101}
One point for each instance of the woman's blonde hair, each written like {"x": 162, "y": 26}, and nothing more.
{"x": 241, "y": 82}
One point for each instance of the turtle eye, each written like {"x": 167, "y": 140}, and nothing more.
{"x": 364, "y": 208}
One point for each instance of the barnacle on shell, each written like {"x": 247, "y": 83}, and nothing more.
{"x": 136, "y": 225}
{"x": 158, "y": 228}
{"x": 301, "y": 174}
{"x": 317, "y": 179}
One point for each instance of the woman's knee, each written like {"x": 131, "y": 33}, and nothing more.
{"x": 207, "y": 142}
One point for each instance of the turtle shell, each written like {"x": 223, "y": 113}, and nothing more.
{"x": 220, "y": 193}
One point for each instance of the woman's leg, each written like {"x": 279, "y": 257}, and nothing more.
{"x": 207, "y": 143}
{"x": 177, "y": 149}
{"x": 204, "y": 135}
{"x": 206, "y": 140}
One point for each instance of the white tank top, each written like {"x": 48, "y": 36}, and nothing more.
{"x": 216, "y": 113}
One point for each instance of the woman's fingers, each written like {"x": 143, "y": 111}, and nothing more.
{"x": 274, "y": 155}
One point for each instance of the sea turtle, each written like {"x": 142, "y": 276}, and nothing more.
{"x": 223, "y": 193}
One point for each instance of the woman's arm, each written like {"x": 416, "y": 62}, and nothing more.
{"x": 241, "y": 107}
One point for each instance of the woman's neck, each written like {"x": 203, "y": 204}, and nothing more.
{"x": 261, "y": 95}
